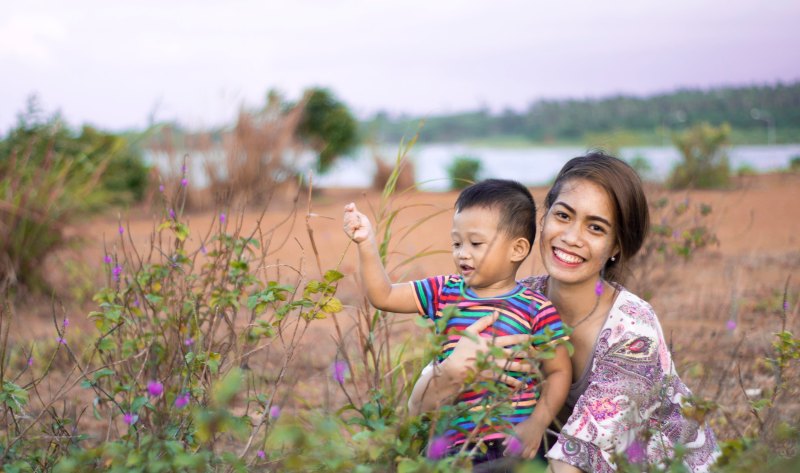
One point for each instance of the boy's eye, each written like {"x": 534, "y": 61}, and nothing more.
{"x": 456, "y": 244}
{"x": 476, "y": 243}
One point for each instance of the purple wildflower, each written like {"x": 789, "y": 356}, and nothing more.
{"x": 130, "y": 418}
{"x": 182, "y": 400}
{"x": 172, "y": 214}
{"x": 65, "y": 323}
{"x": 155, "y": 388}
{"x": 189, "y": 341}
{"x": 731, "y": 325}
{"x": 183, "y": 169}
{"x": 339, "y": 370}
{"x": 261, "y": 454}
{"x": 136, "y": 302}
{"x": 274, "y": 412}
{"x": 598, "y": 288}
{"x": 203, "y": 249}
{"x": 161, "y": 188}
{"x": 184, "y": 182}
{"x": 61, "y": 340}
{"x": 437, "y": 448}
{"x": 121, "y": 230}
{"x": 116, "y": 272}
{"x": 30, "y": 361}
{"x": 786, "y": 306}
{"x": 514, "y": 446}
{"x": 636, "y": 452}
{"x": 107, "y": 259}
{"x": 222, "y": 218}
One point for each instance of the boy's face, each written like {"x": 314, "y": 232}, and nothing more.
{"x": 482, "y": 253}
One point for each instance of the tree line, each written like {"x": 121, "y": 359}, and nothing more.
{"x": 743, "y": 108}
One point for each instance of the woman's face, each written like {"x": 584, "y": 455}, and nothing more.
{"x": 578, "y": 233}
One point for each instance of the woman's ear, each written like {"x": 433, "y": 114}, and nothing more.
{"x": 520, "y": 248}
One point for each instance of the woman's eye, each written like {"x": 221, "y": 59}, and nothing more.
{"x": 561, "y": 215}
{"x": 597, "y": 228}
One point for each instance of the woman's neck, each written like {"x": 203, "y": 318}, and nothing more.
{"x": 575, "y": 302}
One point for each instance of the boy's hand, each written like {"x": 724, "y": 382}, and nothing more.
{"x": 526, "y": 440}
{"x": 356, "y": 225}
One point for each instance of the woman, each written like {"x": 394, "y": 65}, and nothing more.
{"x": 626, "y": 395}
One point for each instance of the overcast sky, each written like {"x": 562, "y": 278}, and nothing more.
{"x": 113, "y": 64}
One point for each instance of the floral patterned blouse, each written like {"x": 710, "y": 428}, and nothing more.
{"x": 632, "y": 403}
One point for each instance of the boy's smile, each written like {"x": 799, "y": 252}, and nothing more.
{"x": 482, "y": 253}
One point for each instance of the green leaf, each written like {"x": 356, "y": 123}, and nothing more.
{"x": 225, "y": 389}
{"x": 332, "y": 276}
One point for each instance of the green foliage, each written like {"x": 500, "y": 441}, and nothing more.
{"x": 49, "y": 176}
{"x": 794, "y": 164}
{"x": 591, "y": 122}
{"x": 679, "y": 228}
{"x": 327, "y": 126}
{"x": 705, "y": 160}
{"x": 464, "y": 171}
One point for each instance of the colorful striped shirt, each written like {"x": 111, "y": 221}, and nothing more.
{"x": 521, "y": 311}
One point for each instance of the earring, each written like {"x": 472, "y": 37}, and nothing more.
{"x": 613, "y": 258}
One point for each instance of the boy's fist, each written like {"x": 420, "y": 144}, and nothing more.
{"x": 356, "y": 224}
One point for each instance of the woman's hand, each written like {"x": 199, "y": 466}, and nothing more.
{"x": 438, "y": 385}
{"x": 463, "y": 358}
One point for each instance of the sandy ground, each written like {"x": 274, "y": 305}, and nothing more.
{"x": 757, "y": 223}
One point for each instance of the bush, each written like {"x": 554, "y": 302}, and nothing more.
{"x": 705, "y": 160}
{"x": 794, "y": 164}
{"x": 464, "y": 171}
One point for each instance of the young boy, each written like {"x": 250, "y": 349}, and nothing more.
{"x": 493, "y": 230}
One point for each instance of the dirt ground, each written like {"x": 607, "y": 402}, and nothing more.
{"x": 742, "y": 279}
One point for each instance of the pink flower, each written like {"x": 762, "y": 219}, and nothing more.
{"x": 184, "y": 182}
{"x": 172, "y": 214}
{"x": 155, "y": 388}
{"x": 514, "y": 446}
{"x": 130, "y": 418}
{"x": 161, "y": 188}
{"x": 598, "y": 288}
{"x": 30, "y": 361}
{"x": 731, "y": 325}
{"x": 636, "y": 452}
{"x": 437, "y": 448}
{"x": 116, "y": 272}
{"x": 182, "y": 400}
{"x": 121, "y": 230}
{"x": 61, "y": 340}
{"x": 261, "y": 454}
{"x": 189, "y": 342}
{"x": 274, "y": 412}
{"x": 222, "y": 218}
{"x": 66, "y": 323}
{"x": 339, "y": 370}
{"x": 107, "y": 259}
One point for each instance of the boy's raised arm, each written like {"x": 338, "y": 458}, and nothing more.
{"x": 380, "y": 291}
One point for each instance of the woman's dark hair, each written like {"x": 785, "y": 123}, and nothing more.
{"x": 624, "y": 188}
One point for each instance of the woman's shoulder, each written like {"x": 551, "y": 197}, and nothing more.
{"x": 535, "y": 283}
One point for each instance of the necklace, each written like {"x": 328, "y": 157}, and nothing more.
{"x": 598, "y": 293}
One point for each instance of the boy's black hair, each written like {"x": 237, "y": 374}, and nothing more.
{"x": 513, "y": 200}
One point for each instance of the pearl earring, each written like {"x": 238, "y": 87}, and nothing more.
{"x": 613, "y": 258}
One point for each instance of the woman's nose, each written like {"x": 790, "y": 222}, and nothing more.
{"x": 571, "y": 235}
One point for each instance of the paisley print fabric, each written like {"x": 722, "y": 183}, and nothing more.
{"x": 633, "y": 400}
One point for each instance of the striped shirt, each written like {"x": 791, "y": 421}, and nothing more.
{"x": 521, "y": 311}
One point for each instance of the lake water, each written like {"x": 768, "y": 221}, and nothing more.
{"x": 531, "y": 166}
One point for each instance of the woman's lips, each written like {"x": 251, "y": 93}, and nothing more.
{"x": 567, "y": 258}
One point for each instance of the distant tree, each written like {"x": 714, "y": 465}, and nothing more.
{"x": 327, "y": 126}
{"x": 705, "y": 164}
{"x": 464, "y": 171}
